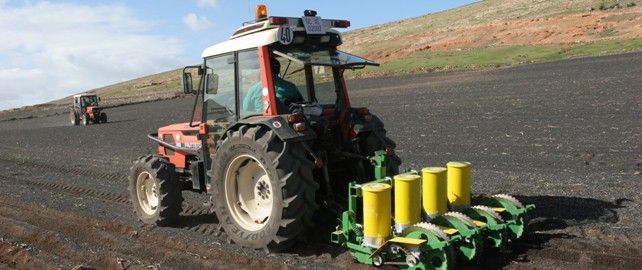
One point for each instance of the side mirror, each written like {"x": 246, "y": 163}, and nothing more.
{"x": 99, "y": 99}
{"x": 188, "y": 85}
{"x": 212, "y": 83}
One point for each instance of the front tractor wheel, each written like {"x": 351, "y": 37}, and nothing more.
{"x": 84, "y": 120}
{"x": 103, "y": 118}
{"x": 155, "y": 191}
{"x": 263, "y": 188}
{"x": 73, "y": 118}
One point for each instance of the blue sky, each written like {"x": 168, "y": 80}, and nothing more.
{"x": 51, "y": 49}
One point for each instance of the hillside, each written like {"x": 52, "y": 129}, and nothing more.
{"x": 498, "y": 33}
{"x": 491, "y": 33}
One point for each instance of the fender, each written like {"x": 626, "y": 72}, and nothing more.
{"x": 279, "y": 124}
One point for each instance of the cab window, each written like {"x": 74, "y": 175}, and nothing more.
{"x": 324, "y": 84}
{"x": 294, "y": 72}
{"x": 219, "y": 96}
{"x": 250, "y": 90}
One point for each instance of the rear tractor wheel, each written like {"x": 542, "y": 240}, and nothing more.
{"x": 154, "y": 191}
{"x": 264, "y": 191}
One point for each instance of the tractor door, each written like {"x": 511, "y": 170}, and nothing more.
{"x": 232, "y": 85}
{"x": 232, "y": 80}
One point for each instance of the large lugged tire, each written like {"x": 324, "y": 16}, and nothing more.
{"x": 263, "y": 189}
{"x": 155, "y": 191}
{"x": 84, "y": 120}
{"x": 73, "y": 118}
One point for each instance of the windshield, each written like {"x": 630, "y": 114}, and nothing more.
{"x": 319, "y": 88}
{"x": 314, "y": 70}
{"x": 88, "y": 101}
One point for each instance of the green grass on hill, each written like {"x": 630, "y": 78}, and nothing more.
{"x": 169, "y": 85}
{"x": 462, "y": 59}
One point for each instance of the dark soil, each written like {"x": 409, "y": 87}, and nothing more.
{"x": 564, "y": 136}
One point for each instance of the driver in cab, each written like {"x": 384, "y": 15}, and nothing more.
{"x": 286, "y": 92}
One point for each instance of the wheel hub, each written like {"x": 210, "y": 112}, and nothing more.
{"x": 263, "y": 190}
{"x": 249, "y": 193}
{"x": 147, "y": 192}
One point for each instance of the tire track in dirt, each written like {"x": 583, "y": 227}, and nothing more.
{"x": 121, "y": 239}
{"x": 189, "y": 211}
{"x": 75, "y": 190}
{"x": 72, "y": 170}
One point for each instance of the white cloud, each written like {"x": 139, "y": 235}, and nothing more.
{"x": 204, "y": 3}
{"x": 51, "y": 50}
{"x": 196, "y": 23}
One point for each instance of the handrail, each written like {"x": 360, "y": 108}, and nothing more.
{"x": 154, "y": 137}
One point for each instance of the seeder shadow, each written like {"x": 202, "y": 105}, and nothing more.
{"x": 317, "y": 241}
{"x": 552, "y": 213}
{"x": 557, "y": 212}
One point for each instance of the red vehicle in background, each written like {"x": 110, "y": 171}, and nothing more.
{"x": 85, "y": 109}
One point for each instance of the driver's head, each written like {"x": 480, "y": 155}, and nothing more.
{"x": 276, "y": 66}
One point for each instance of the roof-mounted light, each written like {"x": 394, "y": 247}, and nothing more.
{"x": 311, "y": 13}
{"x": 341, "y": 23}
{"x": 278, "y": 20}
{"x": 261, "y": 12}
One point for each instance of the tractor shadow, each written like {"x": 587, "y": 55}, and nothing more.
{"x": 195, "y": 218}
{"x": 317, "y": 242}
{"x": 117, "y": 121}
{"x": 553, "y": 214}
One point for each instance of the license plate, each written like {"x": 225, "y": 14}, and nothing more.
{"x": 313, "y": 25}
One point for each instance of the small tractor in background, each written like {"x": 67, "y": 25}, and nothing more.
{"x": 85, "y": 110}
{"x": 276, "y": 144}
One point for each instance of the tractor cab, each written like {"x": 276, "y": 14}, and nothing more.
{"x": 272, "y": 65}
{"x": 85, "y": 100}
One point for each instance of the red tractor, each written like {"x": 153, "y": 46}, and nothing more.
{"x": 273, "y": 138}
{"x": 85, "y": 110}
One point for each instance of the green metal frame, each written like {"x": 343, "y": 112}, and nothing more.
{"x": 464, "y": 237}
